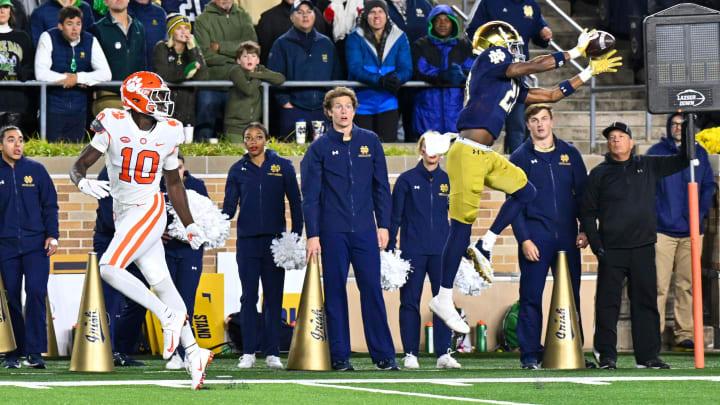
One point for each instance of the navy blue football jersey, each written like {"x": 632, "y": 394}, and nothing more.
{"x": 489, "y": 94}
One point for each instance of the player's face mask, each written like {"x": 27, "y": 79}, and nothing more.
{"x": 162, "y": 101}
{"x": 516, "y": 49}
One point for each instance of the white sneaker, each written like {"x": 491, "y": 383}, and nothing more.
{"x": 272, "y": 362}
{"x": 410, "y": 361}
{"x": 481, "y": 263}
{"x": 447, "y": 361}
{"x": 197, "y": 363}
{"x": 246, "y": 361}
{"x": 172, "y": 326}
{"x": 446, "y": 311}
{"x": 175, "y": 362}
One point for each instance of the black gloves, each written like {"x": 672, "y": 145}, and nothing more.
{"x": 390, "y": 83}
{"x": 454, "y": 75}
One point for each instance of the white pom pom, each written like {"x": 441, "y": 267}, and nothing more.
{"x": 394, "y": 270}
{"x": 289, "y": 251}
{"x": 468, "y": 281}
{"x": 214, "y": 224}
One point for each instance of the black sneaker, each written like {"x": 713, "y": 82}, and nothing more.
{"x": 12, "y": 362}
{"x": 343, "y": 365}
{"x": 654, "y": 364}
{"x": 386, "y": 365}
{"x": 686, "y": 345}
{"x": 590, "y": 364}
{"x": 123, "y": 360}
{"x": 34, "y": 360}
{"x": 608, "y": 365}
{"x": 530, "y": 366}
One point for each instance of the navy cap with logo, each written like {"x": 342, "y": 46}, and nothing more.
{"x": 619, "y": 126}
{"x": 298, "y": 3}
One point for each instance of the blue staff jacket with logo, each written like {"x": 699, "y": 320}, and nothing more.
{"x": 28, "y": 207}
{"x": 260, "y": 192}
{"x": 345, "y": 183}
{"x": 559, "y": 177}
{"x": 420, "y": 209}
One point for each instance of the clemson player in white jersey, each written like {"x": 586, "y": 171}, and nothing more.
{"x": 141, "y": 145}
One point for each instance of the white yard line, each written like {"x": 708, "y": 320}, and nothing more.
{"x": 413, "y": 394}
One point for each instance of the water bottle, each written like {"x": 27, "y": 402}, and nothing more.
{"x": 481, "y": 336}
{"x": 300, "y": 131}
{"x": 429, "y": 344}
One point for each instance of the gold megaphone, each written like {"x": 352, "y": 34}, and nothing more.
{"x": 309, "y": 349}
{"x": 92, "y": 351}
{"x": 52, "y": 347}
{"x": 563, "y": 340}
{"x": 7, "y": 337}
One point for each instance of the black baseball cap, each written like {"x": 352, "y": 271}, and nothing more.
{"x": 619, "y": 126}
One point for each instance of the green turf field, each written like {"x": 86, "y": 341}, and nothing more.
{"x": 485, "y": 378}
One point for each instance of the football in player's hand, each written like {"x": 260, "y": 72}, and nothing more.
{"x": 603, "y": 43}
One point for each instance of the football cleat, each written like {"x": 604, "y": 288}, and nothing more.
{"x": 447, "y": 312}
{"x": 171, "y": 333}
{"x": 175, "y": 363}
{"x": 481, "y": 262}
{"x": 197, "y": 363}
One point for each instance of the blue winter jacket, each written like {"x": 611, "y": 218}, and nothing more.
{"x": 152, "y": 18}
{"x": 414, "y": 24}
{"x": 438, "y": 108}
{"x": 345, "y": 183}
{"x": 559, "y": 177}
{"x": 28, "y": 207}
{"x": 420, "y": 203}
{"x": 308, "y": 57}
{"x": 365, "y": 66}
{"x": 45, "y": 17}
{"x": 523, "y": 15}
{"x": 671, "y": 197}
{"x": 260, "y": 192}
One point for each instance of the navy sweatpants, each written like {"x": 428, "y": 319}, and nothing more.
{"x": 30, "y": 332}
{"x": 532, "y": 284}
{"x": 255, "y": 263}
{"x": 410, "y": 295}
{"x": 361, "y": 249}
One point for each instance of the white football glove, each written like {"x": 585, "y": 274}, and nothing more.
{"x": 95, "y": 188}
{"x": 195, "y": 236}
{"x": 582, "y": 44}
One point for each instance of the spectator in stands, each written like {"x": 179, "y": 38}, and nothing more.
{"x": 153, "y": 19}
{"x": 378, "y": 54}
{"x": 123, "y": 41}
{"x": 342, "y": 17}
{"x": 185, "y": 264}
{"x": 45, "y": 16}
{"x": 68, "y": 55}
{"x": 410, "y": 16}
{"x": 441, "y": 58}
{"x": 302, "y": 53}
{"x": 179, "y": 59}
{"x": 190, "y": 9}
{"x": 16, "y": 63}
{"x": 672, "y": 249}
{"x": 244, "y": 103}
{"x": 28, "y": 237}
{"x": 276, "y": 21}
{"x": 219, "y": 30}
{"x": 259, "y": 183}
{"x": 22, "y": 22}
{"x": 525, "y": 17}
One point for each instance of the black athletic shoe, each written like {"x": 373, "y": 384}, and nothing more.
{"x": 123, "y": 360}
{"x": 608, "y": 365}
{"x": 654, "y": 364}
{"x": 387, "y": 365}
{"x": 590, "y": 364}
{"x": 686, "y": 345}
{"x": 34, "y": 360}
{"x": 12, "y": 362}
{"x": 343, "y": 365}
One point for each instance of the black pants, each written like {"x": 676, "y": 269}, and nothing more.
{"x": 638, "y": 265}
{"x": 385, "y": 124}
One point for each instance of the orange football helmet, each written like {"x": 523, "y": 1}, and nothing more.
{"x": 147, "y": 93}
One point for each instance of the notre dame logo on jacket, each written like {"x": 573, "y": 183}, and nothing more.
{"x": 28, "y": 182}
{"x": 364, "y": 151}
{"x": 275, "y": 171}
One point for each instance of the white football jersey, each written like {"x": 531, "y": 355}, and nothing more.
{"x": 134, "y": 158}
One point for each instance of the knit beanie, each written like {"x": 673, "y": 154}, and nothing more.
{"x": 175, "y": 20}
{"x": 370, "y": 4}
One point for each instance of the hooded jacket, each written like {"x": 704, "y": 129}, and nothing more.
{"x": 228, "y": 30}
{"x": 365, "y": 65}
{"x": 671, "y": 200}
{"x": 438, "y": 108}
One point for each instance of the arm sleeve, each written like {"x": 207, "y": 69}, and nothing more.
{"x": 590, "y": 212}
{"x": 422, "y": 69}
{"x": 381, "y": 187}
{"x": 43, "y": 60}
{"x": 48, "y": 199}
{"x": 398, "y": 205}
{"x": 539, "y": 25}
{"x": 404, "y": 66}
{"x": 292, "y": 191}
{"x": 267, "y": 75}
{"x": 242, "y": 81}
{"x": 353, "y": 55}
{"x": 232, "y": 194}
{"x": 101, "y": 69}
{"x": 311, "y": 184}
{"x": 579, "y": 179}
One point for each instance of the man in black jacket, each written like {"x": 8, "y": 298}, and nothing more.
{"x": 620, "y": 193}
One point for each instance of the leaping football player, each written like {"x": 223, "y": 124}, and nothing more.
{"x": 493, "y": 87}
{"x": 140, "y": 145}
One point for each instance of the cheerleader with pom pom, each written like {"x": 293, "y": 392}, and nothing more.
{"x": 259, "y": 183}
{"x": 420, "y": 210}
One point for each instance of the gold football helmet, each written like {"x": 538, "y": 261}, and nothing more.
{"x": 499, "y": 33}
